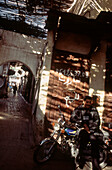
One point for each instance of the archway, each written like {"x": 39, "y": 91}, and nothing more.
{"x": 15, "y": 73}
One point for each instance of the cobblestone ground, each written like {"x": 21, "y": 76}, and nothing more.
{"x": 16, "y": 151}
{"x": 16, "y": 139}
{"x": 15, "y": 145}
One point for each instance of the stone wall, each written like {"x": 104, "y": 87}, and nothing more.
{"x": 22, "y": 48}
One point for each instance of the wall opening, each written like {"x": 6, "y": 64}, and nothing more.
{"x": 16, "y": 74}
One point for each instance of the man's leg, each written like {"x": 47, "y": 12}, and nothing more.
{"x": 83, "y": 140}
{"x": 95, "y": 152}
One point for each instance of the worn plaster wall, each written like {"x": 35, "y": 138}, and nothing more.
{"x": 76, "y": 43}
{"x": 43, "y": 88}
{"x": 82, "y": 44}
{"x": 97, "y": 75}
{"x": 22, "y": 48}
{"x": 29, "y": 51}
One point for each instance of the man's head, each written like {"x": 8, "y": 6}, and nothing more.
{"x": 87, "y": 101}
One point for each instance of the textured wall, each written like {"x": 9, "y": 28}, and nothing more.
{"x": 22, "y": 48}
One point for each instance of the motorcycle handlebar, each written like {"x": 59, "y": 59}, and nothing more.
{"x": 61, "y": 114}
{"x": 77, "y": 125}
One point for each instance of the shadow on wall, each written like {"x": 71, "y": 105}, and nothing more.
{"x": 68, "y": 83}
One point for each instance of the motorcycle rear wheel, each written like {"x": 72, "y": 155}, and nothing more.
{"x": 44, "y": 151}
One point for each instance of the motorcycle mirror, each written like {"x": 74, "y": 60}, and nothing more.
{"x": 59, "y": 106}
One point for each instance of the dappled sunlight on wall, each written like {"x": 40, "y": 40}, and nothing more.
{"x": 68, "y": 84}
{"x": 22, "y": 48}
{"x": 107, "y": 115}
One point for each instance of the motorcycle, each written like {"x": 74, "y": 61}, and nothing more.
{"x": 107, "y": 128}
{"x": 67, "y": 139}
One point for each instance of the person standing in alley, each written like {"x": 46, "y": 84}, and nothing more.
{"x": 14, "y": 89}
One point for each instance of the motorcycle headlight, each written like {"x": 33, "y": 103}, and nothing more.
{"x": 56, "y": 126}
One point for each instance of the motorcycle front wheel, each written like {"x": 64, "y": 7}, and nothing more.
{"x": 44, "y": 151}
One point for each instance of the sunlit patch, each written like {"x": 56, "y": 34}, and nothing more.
{"x": 28, "y": 41}
{"x": 34, "y": 51}
{"x": 49, "y": 52}
{"x": 94, "y": 65}
{"x": 5, "y": 115}
{"x": 94, "y": 75}
{"x": 24, "y": 36}
{"x": 31, "y": 46}
{"x": 104, "y": 70}
{"x": 2, "y": 118}
{"x": 38, "y": 52}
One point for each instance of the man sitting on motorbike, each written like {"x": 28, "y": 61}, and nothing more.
{"x": 87, "y": 117}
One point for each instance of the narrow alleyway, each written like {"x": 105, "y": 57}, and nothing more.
{"x": 15, "y": 134}
{"x": 16, "y": 139}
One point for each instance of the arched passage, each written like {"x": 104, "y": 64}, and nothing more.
{"x": 22, "y": 48}
{"x": 17, "y": 74}
{"x": 19, "y": 62}
{"x": 29, "y": 61}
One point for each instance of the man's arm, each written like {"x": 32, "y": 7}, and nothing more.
{"x": 76, "y": 116}
{"x": 94, "y": 125}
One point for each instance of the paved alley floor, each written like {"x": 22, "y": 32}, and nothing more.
{"x": 16, "y": 151}
{"x": 15, "y": 145}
